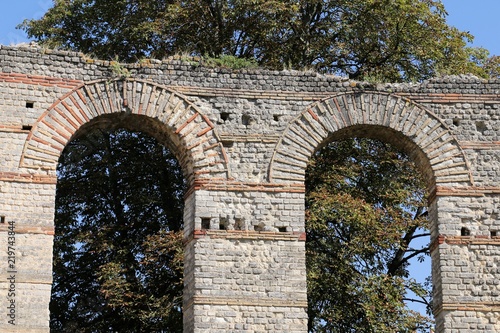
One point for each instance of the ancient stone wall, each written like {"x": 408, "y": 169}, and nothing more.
{"x": 243, "y": 139}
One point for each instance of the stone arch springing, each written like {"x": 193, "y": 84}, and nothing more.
{"x": 391, "y": 118}
{"x": 197, "y": 143}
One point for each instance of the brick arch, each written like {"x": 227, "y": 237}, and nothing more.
{"x": 192, "y": 135}
{"x": 394, "y": 119}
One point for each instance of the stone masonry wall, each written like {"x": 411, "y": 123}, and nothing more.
{"x": 243, "y": 139}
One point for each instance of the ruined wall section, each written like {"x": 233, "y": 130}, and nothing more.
{"x": 246, "y": 217}
{"x": 251, "y": 107}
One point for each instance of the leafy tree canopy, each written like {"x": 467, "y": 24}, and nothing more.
{"x": 365, "y": 208}
{"x": 385, "y": 40}
{"x": 118, "y": 252}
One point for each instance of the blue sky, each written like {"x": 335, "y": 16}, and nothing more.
{"x": 479, "y": 17}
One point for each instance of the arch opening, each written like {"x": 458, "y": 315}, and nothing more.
{"x": 118, "y": 243}
{"x": 138, "y": 106}
{"x": 366, "y": 215}
{"x": 392, "y": 119}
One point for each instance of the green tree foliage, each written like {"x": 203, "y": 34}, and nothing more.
{"x": 118, "y": 252}
{"x": 389, "y": 40}
{"x": 365, "y": 207}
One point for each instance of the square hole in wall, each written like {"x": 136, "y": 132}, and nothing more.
{"x": 246, "y": 120}
{"x": 30, "y": 105}
{"x": 258, "y": 227}
{"x": 205, "y": 223}
{"x": 227, "y": 143}
{"x": 223, "y": 224}
{"x": 481, "y": 126}
{"x": 224, "y": 116}
{"x": 239, "y": 224}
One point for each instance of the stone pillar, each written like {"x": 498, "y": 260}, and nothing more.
{"x": 26, "y": 238}
{"x": 465, "y": 264}
{"x": 242, "y": 275}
